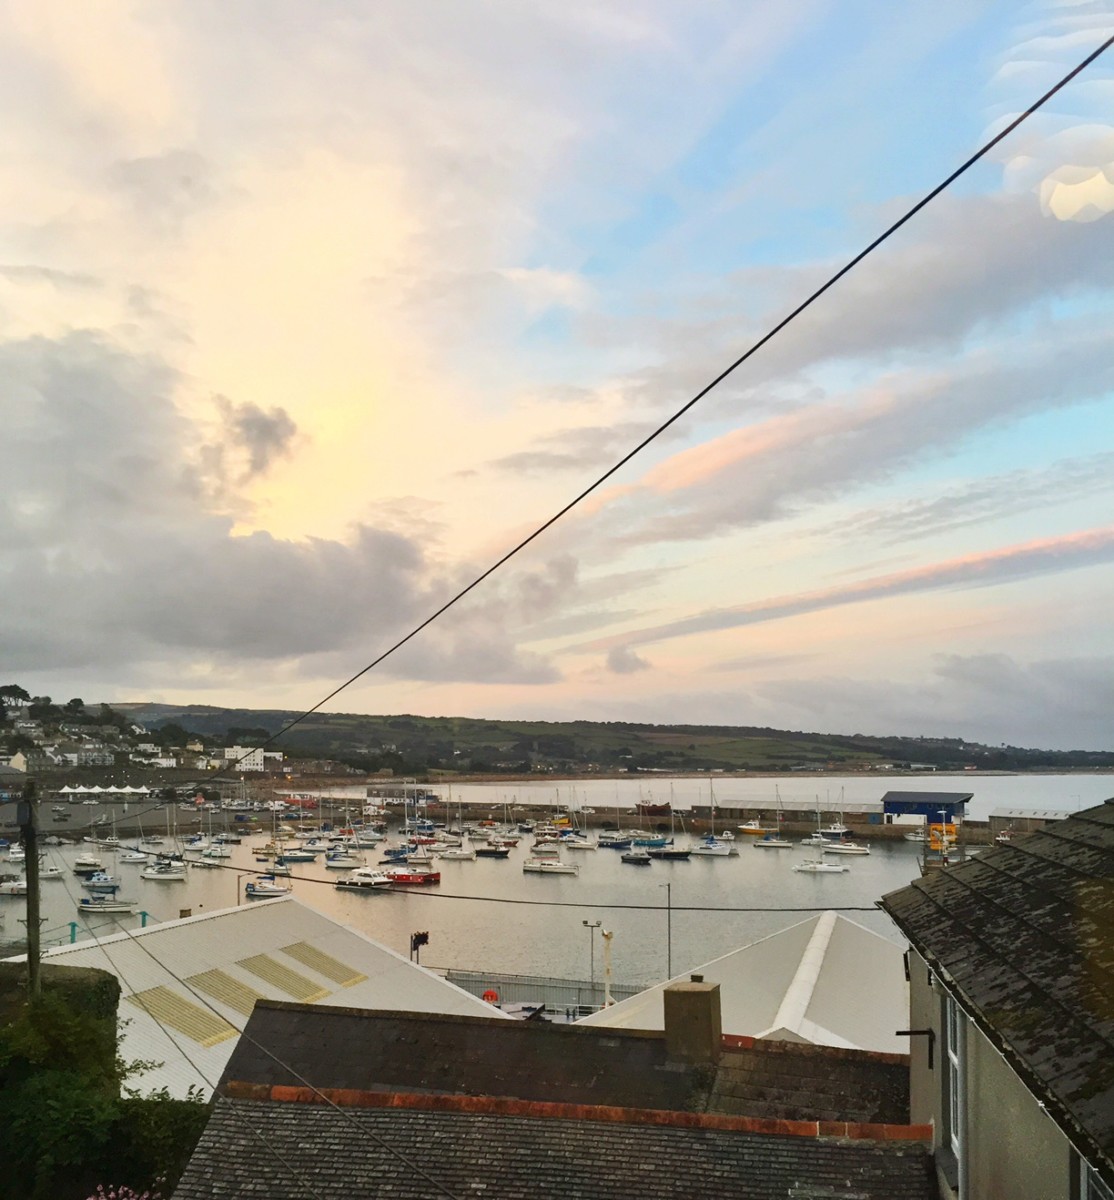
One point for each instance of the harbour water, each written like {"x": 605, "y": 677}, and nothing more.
{"x": 489, "y": 915}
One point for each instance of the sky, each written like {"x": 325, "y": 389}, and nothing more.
{"x": 310, "y": 311}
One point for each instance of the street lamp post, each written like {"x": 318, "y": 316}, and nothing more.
{"x": 668, "y": 929}
{"x": 592, "y": 926}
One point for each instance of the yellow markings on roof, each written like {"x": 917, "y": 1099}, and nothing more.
{"x": 324, "y": 964}
{"x": 286, "y": 980}
{"x": 221, "y": 986}
{"x": 168, "y": 1008}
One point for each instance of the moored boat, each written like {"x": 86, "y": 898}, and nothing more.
{"x": 845, "y": 848}
{"x": 550, "y": 866}
{"x": 264, "y": 887}
{"x": 407, "y": 876}
{"x": 365, "y": 879}
{"x": 815, "y": 866}
{"x": 637, "y": 857}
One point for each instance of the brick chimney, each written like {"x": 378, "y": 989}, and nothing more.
{"x": 693, "y": 1025}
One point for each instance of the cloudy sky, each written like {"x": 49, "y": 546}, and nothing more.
{"x": 309, "y": 311}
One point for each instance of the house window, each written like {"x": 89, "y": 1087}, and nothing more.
{"x": 953, "y": 1057}
{"x": 1091, "y": 1187}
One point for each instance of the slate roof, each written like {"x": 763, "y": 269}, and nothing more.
{"x": 299, "y": 1151}
{"x": 356, "y": 1050}
{"x": 1023, "y": 936}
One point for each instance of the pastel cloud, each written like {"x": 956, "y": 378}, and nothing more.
{"x": 1006, "y": 565}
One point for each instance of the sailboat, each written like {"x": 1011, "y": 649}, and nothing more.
{"x": 772, "y": 839}
{"x": 711, "y": 846}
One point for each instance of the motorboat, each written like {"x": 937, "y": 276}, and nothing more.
{"x": 636, "y": 857}
{"x": 458, "y": 853}
{"x": 15, "y": 887}
{"x": 713, "y": 847}
{"x": 491, "y": 850}
{"x": 614, "y": 841}
{"x": 580, "y": 843}
{"x": 100, "y": 881}
{"x": 131, "y": 856}
{"x": 87, "y": 864}
{"x": 265, "y": 887}
{"x": 217, "y": 850}
{"x": 365, "y": 879}
{"x": 754, "y": 828}
{"x": 51, "y": 873}
{"x": 408, "y": 876}
{"x": 205, "y": 864}
{"x": 298, "y": 854}
{"x": 771, "y": 842}
{"x": 550, "y": 866}
{"x": 845, "y": 848}
{"x": 647, "y": 841}
{"x": 815, "y": 866}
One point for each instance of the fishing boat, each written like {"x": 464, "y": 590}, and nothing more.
{"x": 754, "y": 828}
{"x": 815, "y": 866}
{"x": 407, "y": 876}
{"x": 550, "y": 866}
{"x": 771, "y": 842}
{"x": 100, "y": 881}
{"x": 614, "y": 841}
{"x": 365, "y": 879}
{"x": 105, "y": 904}
{"x": 264, "y": 887}
{"x": 649, "y": 840}
{"x": 637, "y": 857}
{"x": 492, "y": 850}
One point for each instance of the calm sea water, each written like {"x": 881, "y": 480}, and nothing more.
{"x": 489, "y": 915}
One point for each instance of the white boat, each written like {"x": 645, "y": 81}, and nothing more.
{"x": 16, "y": 854}
{"x": 165, "y": 872}
{"x": 815, "y": 866}
{"x": 341, "y": 860}
{"x": 217, "y": 850}
{"x": 105, "y": 904}
{"x": 205, "y": 864}
{"x": 264, "y": 887}
{"x": 458, "y": 854}
{"x": 637, "y": 857}
{"x": 845, "y": 848}
{"x": 87, "y": 864}
{"x": 915, "y": 835}
{"x": 753, "y": 827}
{"x": 100, "y": 881}
{"x": 365, "y": 879}
{"x": 770, "y": 842}
{"x": 550, "y": 866}
{"x": 712, "y": 847}
{"x": 580, "y": 843}
{"x": 132, "y": 856}
{"x": 17, "y": 887}
{"x": 51, "y": 873}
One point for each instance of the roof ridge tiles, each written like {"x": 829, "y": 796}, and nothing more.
{"x": 610, "y": 1114}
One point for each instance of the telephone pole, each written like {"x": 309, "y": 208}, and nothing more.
{"x": 28, "y": 824}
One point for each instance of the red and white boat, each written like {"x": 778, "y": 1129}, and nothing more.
{"x": 412, "y": 877}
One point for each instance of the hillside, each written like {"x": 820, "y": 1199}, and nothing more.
{"x": 417, "y": 745}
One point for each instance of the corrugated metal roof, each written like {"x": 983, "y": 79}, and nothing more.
{"x": 285, "y": 979}
{"x": 173, "y": 1009}
{"x": 201, "y": 956}
{"x": 324, "y": 964}
{"x": 808, "y": 980}
{"x": 1033, "y": 814}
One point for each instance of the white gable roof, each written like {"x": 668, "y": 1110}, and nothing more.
{"x": 297, "y": 954}
{"x": 826, "y": 980}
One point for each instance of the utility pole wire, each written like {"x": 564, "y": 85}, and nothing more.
{"x": 752, "y": 350}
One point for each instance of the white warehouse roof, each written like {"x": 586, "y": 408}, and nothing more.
{"x": 188, "y": 986}
{"x": 826, "y": 980}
